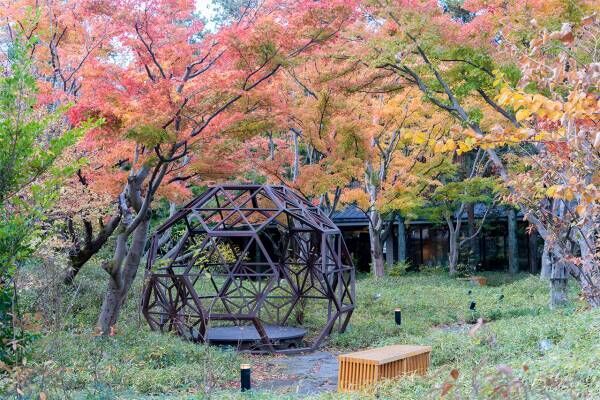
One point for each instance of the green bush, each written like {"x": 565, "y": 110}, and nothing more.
{"x": 401, "y": 268}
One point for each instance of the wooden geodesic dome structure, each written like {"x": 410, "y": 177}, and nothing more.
{"x": 253, "y": 266}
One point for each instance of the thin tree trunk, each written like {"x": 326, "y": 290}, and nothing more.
{"x": 296, "y": 164}
{"x": 271, "y": 147}
{"x": 136, "y": 250}
{"x": 375, "y": 225}
{"x": 453, "y": 250}
{"x": 112, "y": 294}
{"x": 513, "y": 255}
{"x": 558, "y": 292}
{"x": 453, "y": 243}
{"x": 167, "y": 235}
{"x": 474, "y": 241}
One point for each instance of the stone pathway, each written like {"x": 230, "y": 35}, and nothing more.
{"x": 301, "y": 374}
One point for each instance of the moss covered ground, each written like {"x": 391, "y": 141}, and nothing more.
{"x": 523, "y": 350}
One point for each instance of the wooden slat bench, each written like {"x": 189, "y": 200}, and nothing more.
{"x": 363, "y": 368}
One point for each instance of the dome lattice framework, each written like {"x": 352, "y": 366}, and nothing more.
{"x": 257, "y": 266}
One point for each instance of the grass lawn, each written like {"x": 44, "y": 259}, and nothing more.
{"x": 560, "y": 349}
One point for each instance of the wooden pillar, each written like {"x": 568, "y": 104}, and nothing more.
{"x": 513, "y": 254}
{"x": 389, "y": 247}
{"x": 533, "y": 253}
{"x": 401, "y": 240}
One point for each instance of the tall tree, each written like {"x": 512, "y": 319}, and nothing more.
{"x": 461, "y": 66}
{"x": 377, "y": 149}
{"x": 156, "y": 57}
{"x": 401, "y": 165}
{"x": 31, "y": 141}
{"x": 448, "y": 202}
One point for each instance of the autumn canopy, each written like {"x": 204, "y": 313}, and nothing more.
{"x": 403, "y": 109}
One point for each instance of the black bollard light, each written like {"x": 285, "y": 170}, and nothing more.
{"x": 245, "y": 377}
{"x": 472, "y": 306}
{"x": 469, "y": 292}
{"x": 398, "y": 316}
{"x": 501, "y": 297}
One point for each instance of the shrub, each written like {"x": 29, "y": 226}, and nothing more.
{"x": 401, "y": 268}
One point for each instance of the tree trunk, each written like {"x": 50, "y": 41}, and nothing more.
{"x": 558, "y": 284}
{"x": 121, "y": 276}
{"x": 166, "y": 237}
{"x": 79, "y": 255}
{"x": 558, "y": 292}
{"x": 111, "y": 306}
{"x": 513, "y": 255}
{"x": 376, "y": 225}
{"x": 546, "y": 270}
{"x": 589, "y": 274}
{"x": 377, "y": 262}
{"x": 474, "y": 241}
{"x": 78, "y": 259}
{"x": 129, "y": 243}
{"x": 589, "y": 278}
{"x": 401, "y": 240}
{"x": 296, "y": 163}
{"x": 453, "y": 243}
{"x": 453, "y": 251}
{"x": 271, "y": 147}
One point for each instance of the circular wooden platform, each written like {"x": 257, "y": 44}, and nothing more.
{"x": 247, "y": 336}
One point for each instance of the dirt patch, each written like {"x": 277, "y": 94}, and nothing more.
{"x": 457, "y": 327}
{"x": 301, "y": 374}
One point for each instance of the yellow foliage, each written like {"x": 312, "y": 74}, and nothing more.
{"x": 438, "y": 147}
{"x": 463, "y": 148}
{"x": 419, "y": 137}
{"x": 356, "y": 196}
{"x": 522, "y": 114}
{"x": 450, "y": 145}
{"x": 552, "y": 190}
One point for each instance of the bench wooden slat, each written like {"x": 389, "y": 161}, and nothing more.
{"x": 387, "y": 354}
{"x": 366, "y": 367}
